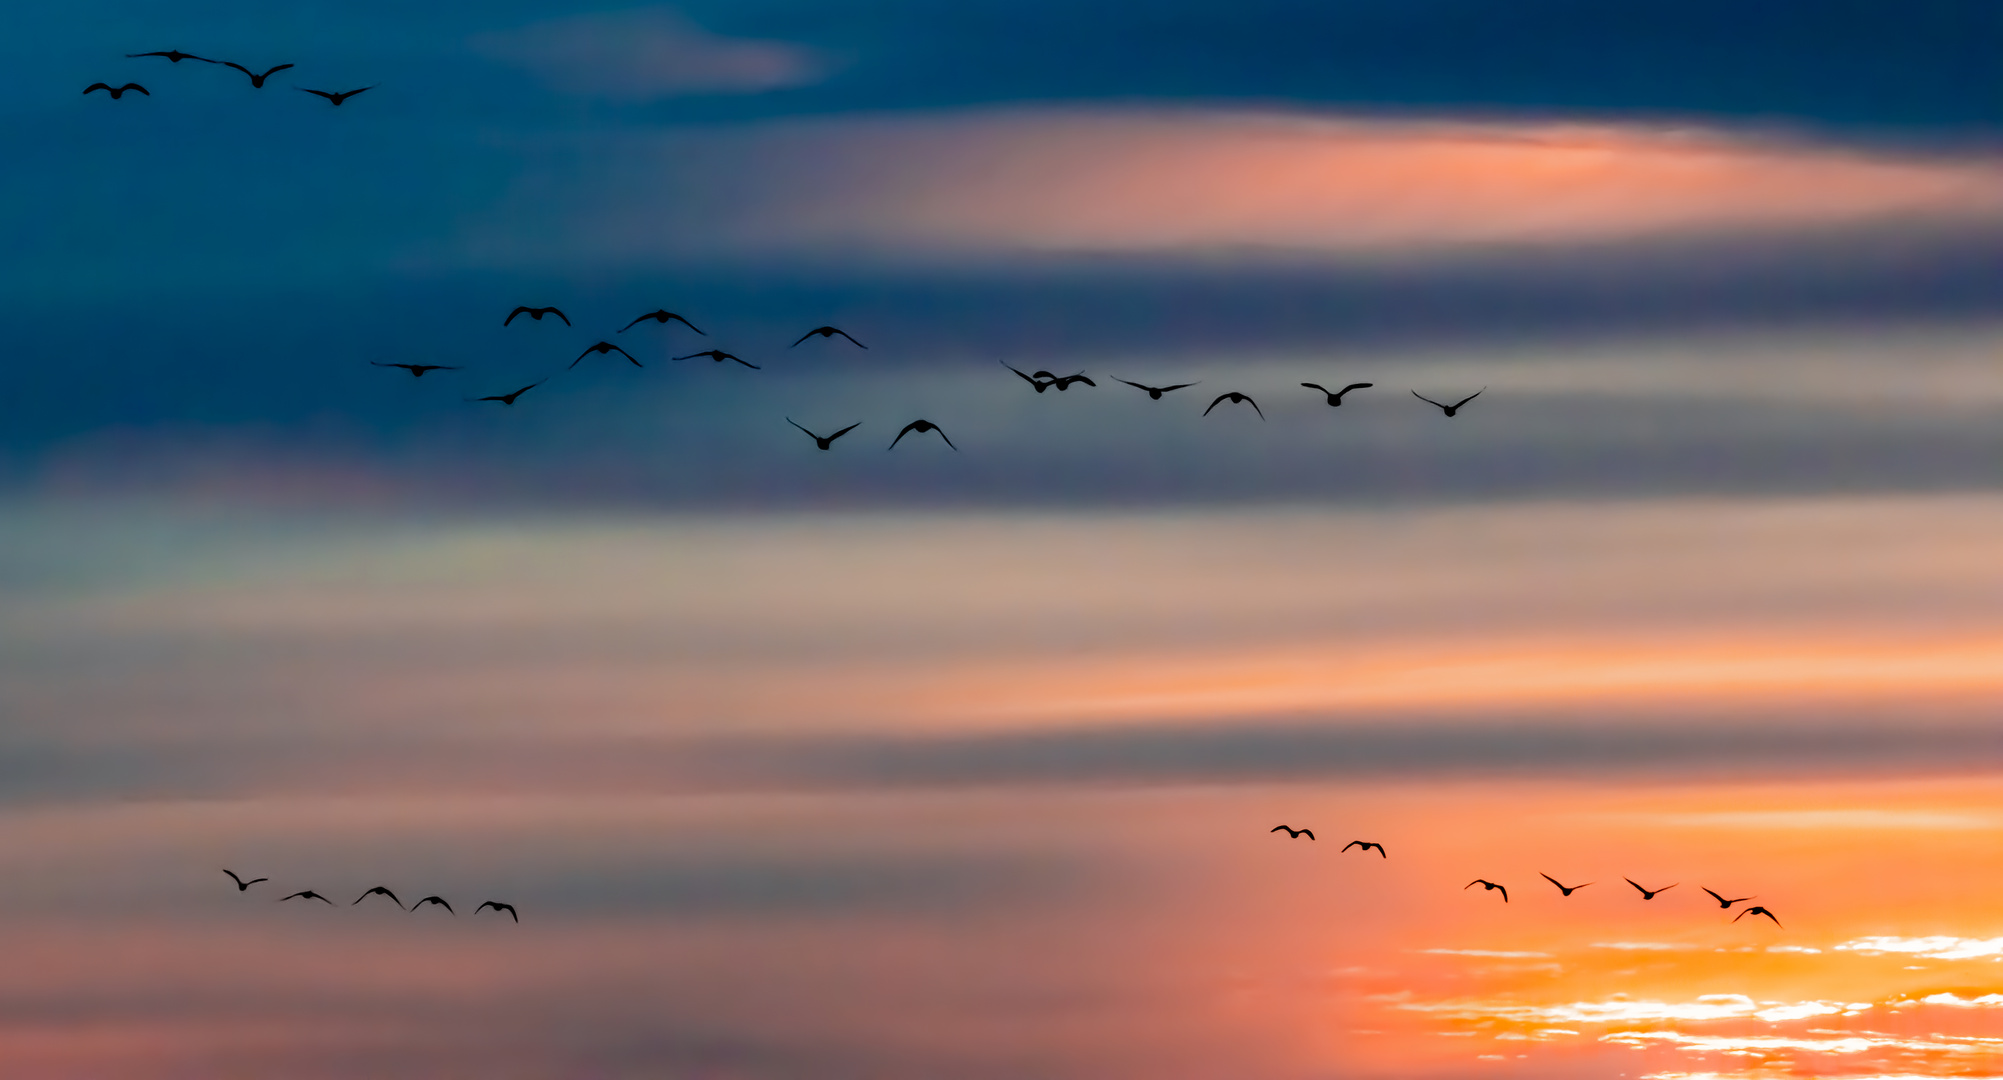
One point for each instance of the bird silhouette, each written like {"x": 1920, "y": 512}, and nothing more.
{"x": 117, "y": 92}
{"x": 1154, "y": 392}
{"x": 173, "y": 56}
{"x": 719, "y": 356}
{"x": 1724, "y": 903}
{"x": 661, "y": 316}
{"x": 508, "y": 399}
{"x": 826, "y": 442}
{"x": 1040, "y": 384}
{"x": 1335, "y": 396}
{"x": 535, "y": 313}
{"x": 828, "y": 331}
{"x": 1449, "y": 409}
{"x": 1562, "y": 887}
{"x": 1293, "y": 833}
{"x": 1647, "y": 894}
{"x": 307, "y": 894}
{"x": 498, "y": 907}
{"x": 605, "y": 347}
{"x": 1063, "y": 382}
{"x": 1487, "y": 885}
{"x": 1757, "y": 910}
{"x": 1366, "y": 845}
{"x": 241, "y": 884}
{"x": 418, "y": 370}
{"x": 256, "y": 81}
{"x": 439, "y": 900}
{"x": 384, "y": 890}
{"x": 921, "y": 427}
{"x": 336, "y": 98}
{"x": 1236, "y": 398}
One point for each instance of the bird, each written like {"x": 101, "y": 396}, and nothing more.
{"x": 1155, "y": 392}
{"x": 921, "y": 427}
{"x": 306, "y": 894}
{"x": 826, "y": 442}
{"x": 828, "y": 331}
{"x": 333, "y": 97}
{"x": 1724, "y": 903}
{"x": 117, "y": 92}
{"x": 1366, "y": 845}
{"x": 383, "y": 889}
{"x": 173, "y": 56}
{"x": 1449, "y": 409}
{"x": 1293, "y": 833}
{"x": 1063, "y": 382}
{"x": 498, "y": 907}
{"x": 1487, "y": 885}
{"x": 535, "y": 313}
{"x": 1040, "y": 384}
{"x": 1648, "y": 894}
{"x": 1757, "y": 910}
{"x": 661, "y": 316}
{"x": 1236, "y": 398}
{"x": 256, "y": 81}
{"x": 508, "y": 399}
{"x": 1562, "y": 887}
{"x": 1335, "y": 396}
{"x": 241, "y": 884}
{"x": 418, "y": 370}
{"x": 439, "y": 900}
{"x": 605, "y": 347}
{"x": 719, "y": 356}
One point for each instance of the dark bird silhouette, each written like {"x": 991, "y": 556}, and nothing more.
{"x": 497, "y": 906}
{"x": 439, "y": 900}
{"x": 418, "y": 370}
{"x": 921, "y": 427}
{"x": 1293, "y": 833}
{"x": 307, "y": 894}
{"x": 256, "y": 81}
{"x": 535, "y": 313}
{"x": 826, "y": 442}
{"x": 1236, "y": 398}
{"x": 1366, "y": 845}
{"x": 1724, "y": 903}
{"x": 1039, "y": 383}
{"x": 1757, "y": 910}
{"x": 1562, "y": 887}
{"x": 1335, "y": 396}
{"x": 661, "y": 316}
{"x": 117, "y": 92}
{"x": 828, "y": 331}
{"x": 1449, "y": 409}
{"x": 383, "y": 889}
{"x": 1487, "y": 885}
{"x": 241, "y": 884}
{"x": 173, "y": 56}
{"x": 1063, "y": 382}
{"x": 605, "y": 347}
{"x": 508, "y": 399}
{"x": 1155, "y": 392}
{"x": 334, "y": 97}
{"x": 720, "y": 356}
{"x": 1647, "y": 894}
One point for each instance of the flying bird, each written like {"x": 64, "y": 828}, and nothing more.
{"x": 1236, "y": 398}
{"x": 661, "y": 316}
{"x": 1366, "y": 845}
{"x": 535, "y": 313}
{"x": 439, "y": 900}
{"x": 1724, "y": 903}
{"x": 605, "y": 347}
{"x": 498, "y": 907}
{"x": 333, "y": 97}
{"x": 1647, "y": 894}
{"x": 1562, "y": 887}
{"x": 719, "y": 356}
{"x": 173, "y": 56}
{"x": 1449, "y": 409}
{"x": 256, "y": 81}
{"x": 921, "y": 427}
{"x": 1293, "y": 833}
{"x": 1063, "y": 382}
{"x": 117, "y": 92}
{"x": 1335, "y": 396}
{"x": 1757, "y": 910}
{"x": 826, "y": 442}
{"x": 307, "y": 894}
{"x": 1487, "y": 885}
{"x": 508, "y": 399}
{"x": 418, "y": 370}
{"x": 828, "y": 331}
{"x": 241, "y": 884}
{"x": 1040, "y": 384}
{"x": 1154, "y": 392}
{"x": 383, "y": 889}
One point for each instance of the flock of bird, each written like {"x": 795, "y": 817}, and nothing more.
{"x": 243, "y": 885}
{"x": 1563, "y": 889}
{"x": 175, "y": 56}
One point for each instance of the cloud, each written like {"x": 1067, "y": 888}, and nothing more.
{"x": 649, "y": 53}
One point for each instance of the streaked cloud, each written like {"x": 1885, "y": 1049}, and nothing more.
{"x": 648, "y": 53}
{"x": 1939, "y": 947}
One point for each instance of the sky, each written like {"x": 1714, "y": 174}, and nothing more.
{"x": 964, "y": 759}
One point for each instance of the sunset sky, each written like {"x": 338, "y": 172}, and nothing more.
{"x": 962, "y": 762}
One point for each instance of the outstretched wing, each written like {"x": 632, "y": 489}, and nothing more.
{"x": 136, "y": 86}
{"x": 106, "y": 87}
{"x": 1214, "y": 402}
{"x": 346, "y": 94}
{"x": 901, "y": 435}
{"x": 745, "y": 362}
{"x": 844, "y": 431}
{"x": 627, "y": 355}
{"x": 1353, "y": 386}
{"x": 1027, "y": 379}
{"x": 1315, "y": 386}
{"x": 1469, "y": 398}
{"x": 559, "y": 314}
{"x": 1256, "y": 408}
{"x": 1437, "y": 405}
{"x": 810, "y": 434}
{"x": 335, "y": 98}
{"x": 273, "y": 71}
{"x": 522, "y": 310}
{"x": 852, "y": 341}
{"x": 807, "y": 335}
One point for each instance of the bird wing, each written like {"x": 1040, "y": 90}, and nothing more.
{"x": 511, "y": 315}
{"x": 1357, "y": 386}
{"x": 1012, "y": 367}
{"x": 628, "y": 356}
{"x": 692, "y": 355}
{"x": 254, "y": 881}
{"x": 949, "y": 442}
{"x": 97, "y": 86}
{"x": 1381, "y": 853}
{"x": 1316, "y": 386}
{"x": 1309, "y": 833}
{"x": 901, "y": 435}
{"x": 1472, "y": 884}
{"x": 1180, "y": 385}
{"x": 351, "y": 93}
{"x": 1714, "y": 896}
{"x": 1637, "y": 888}
{"x": 1469, "y": 398}
{"x": 634, "y": 323}
{"x": 803, "y": 337}
{"x": 319, "y": 93}
{"x": 234, "y": 64}
{"x": 1080, "y": 377}
{"x": 233, "y": 877}
{"x": 852, "y": 341}
{"x": 1256, "y": 408}
{"x": 136, "y": 86}
{"x": 273, "y": 71}
{"x": 810, "y": 434}
{"x": 1354, "y": 843}
{"x": 1504, "y": 892}
{"x": 1436, "y": 404}
{"x": 1214, "y": 403}
{"x": 525, "y": 389}
{"x": 745, "y": 362}
{"x": 1116, "y": 378}
{"x": 844, "y": 431}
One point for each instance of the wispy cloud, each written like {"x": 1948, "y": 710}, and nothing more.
{"x": 1933, "y": 948}
{"x": 649, "y": 53}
